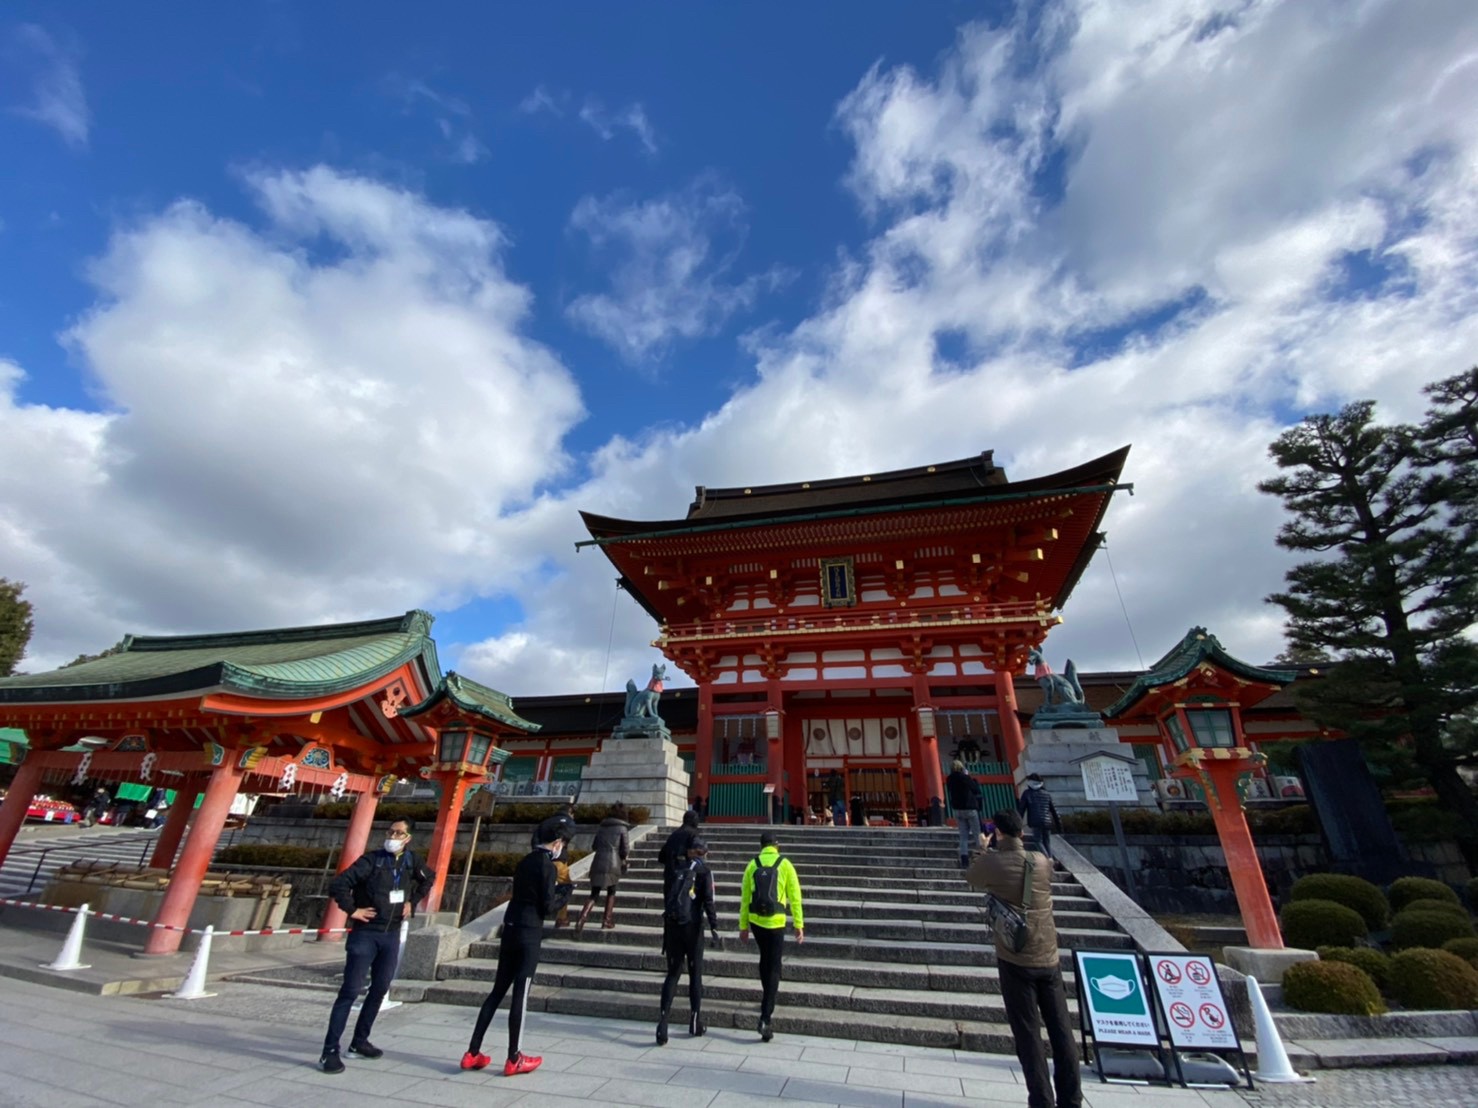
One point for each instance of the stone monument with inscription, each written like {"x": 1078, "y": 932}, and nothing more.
{"x": 639, "y": 763}
{"x": 1067, "y": 734}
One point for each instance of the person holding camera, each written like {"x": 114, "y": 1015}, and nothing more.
{"x": 537, "y": 895}
{"x": 1027, "y": 963}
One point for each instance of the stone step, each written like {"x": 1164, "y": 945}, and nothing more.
{"x": 934, "y": 950}
{"x": 744, "y": 988}
{"x": 968, "y": 908}
{"x": 821, "y": 885}
{"x": 733, "y": 959}
{"x": 858, "y": 877}
{"x": 790, "y": 1018}
{"x": 921, "y": 923}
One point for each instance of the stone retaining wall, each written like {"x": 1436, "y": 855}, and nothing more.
{"x": 506, "y": 838}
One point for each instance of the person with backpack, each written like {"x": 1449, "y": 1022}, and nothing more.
{"x": 686, "y": 904}
{"x": 965, "y": 800}
{"x": 1028, "y": 965}
{"x": 674, "y": 852}
{"x": 378, "y": 891}
{"x": 537, "y": 895}
{"x": 770, "y": 887}
{"x": 611, "y": 848}
{"x": 1036, "y": 807}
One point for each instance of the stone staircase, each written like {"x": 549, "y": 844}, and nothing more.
{"x": 895, "y": 949}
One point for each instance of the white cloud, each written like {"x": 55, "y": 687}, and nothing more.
{"x": 455, "y": 121}
{"x": 55, "y": 96}
{"x": 607, "y": 124}
{"x": 330, "y": 416}
{"x": 670, "y": 263}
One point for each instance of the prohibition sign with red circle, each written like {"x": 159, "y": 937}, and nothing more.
{"x": 1213, "y": 1017}
{"x": 1198, "y": 972}
{"x": 1182, "y": 1014}
{"x": 1169, "y": 972}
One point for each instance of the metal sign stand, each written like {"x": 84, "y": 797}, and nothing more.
{"x": 1146, "y": 1039}
{"x": 1193, "y": 1011}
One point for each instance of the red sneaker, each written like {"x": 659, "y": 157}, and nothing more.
{"x": 524, "y": 1063}
{"x": 472, "y": 1061}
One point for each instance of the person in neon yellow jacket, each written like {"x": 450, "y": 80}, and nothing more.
{"x": 777, "y": 876}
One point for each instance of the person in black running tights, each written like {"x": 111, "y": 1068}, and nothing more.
{"x": 537, "y": 895}
{"x": 689, "y": 900}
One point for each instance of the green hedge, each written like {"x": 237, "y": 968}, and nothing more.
{"x": 1353, "y": 892}
{"x": 1376, "y": 965}
{"x": 1434, "y": 980}
{"x": 1415, "y": 929}
{"x": 1295, "y": 820}
{"x": 1336, "y": 988}
{"x": 1432, "y": 904}
{"x": 1406, "y": 889}
{"x": 1310, "y": 924}
{"x": 424, "y": 812}
{"x": 1471, "y": 889}
{"x": 1466, "y": 949}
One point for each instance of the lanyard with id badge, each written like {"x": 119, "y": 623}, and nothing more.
{"x": 397, "y": 894}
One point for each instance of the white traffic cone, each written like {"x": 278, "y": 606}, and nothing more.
{"x": 71, "y": 949}
{"x": 1272, "y": 1060}
{"x": 194, "y": 984}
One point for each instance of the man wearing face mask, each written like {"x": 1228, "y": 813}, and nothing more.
{"x": 537, "y": 895}
{"x": 376, "y": 893}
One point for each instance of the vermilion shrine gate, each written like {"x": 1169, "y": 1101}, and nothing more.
{"x": 345, "y": 708}
{"x": 866, "y": 624}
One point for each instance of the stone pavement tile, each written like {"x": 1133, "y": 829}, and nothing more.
{"x": 996, "y": 1096}
{"x": 749, "y": 1100}
{"x": 720, "y": 1081}
{"x": 810, "y": 1071}
{"x": 1132, "y": 1096}
{"x": 780, "y": 1051}
{"x": 1334, "y": 1053}
{"x": 832, "y": 1057}
{"x": 451, "y": 1094}
{"x": 589, "y": 1048}
{"x": 652, "y": 1094}
{"x": 543, "y": 1080}
{"x": 1465, "y": 1046}
{"x": 914, "y": 1082}
{"x": 556, "y": 1100}
{"x": 948, "y": 1067}
{"x": 830, "y": 1092}
{"x": 1001, "y": 1064}
{"x": 708, "y": 1059}
{"x": 897, "y": 1048}
{"x": 613, "y": 1068}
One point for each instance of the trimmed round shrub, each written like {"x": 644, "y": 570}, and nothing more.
{"x": 1466, "y": 949}
{"x": 1376, "y": 965}
{"x": 1431, "y": 904}
{"x": 1311, "y": 924}
{"x": 1337, "y": 988}
{"x": 1406, "y": 889}
{"x": 1342, "y": 888}
{"x": 1414, "y": 929}
{"x": 1434, "y": 980}
{"x": 1471, "y": 888}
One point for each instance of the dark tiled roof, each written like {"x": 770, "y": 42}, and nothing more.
{"x": 598, "y": 713}
{"x": 475, "y": 699}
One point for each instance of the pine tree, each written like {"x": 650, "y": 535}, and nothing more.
{"x": 1392, "y": 588}
{"x": 15, "y": 625}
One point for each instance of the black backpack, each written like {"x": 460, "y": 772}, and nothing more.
{"x": 764, "y": 900}
{"x": 682, "y": 897}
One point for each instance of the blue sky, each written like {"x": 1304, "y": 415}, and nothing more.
{"x": 313, "y": 312}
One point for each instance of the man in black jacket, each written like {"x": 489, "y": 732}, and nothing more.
{"x": 378, "y": 891}
{"x": 687, "y": 903}
{"x": 1040, "y": 814}
{"x": 537, "y": 895}
{"x": 965, "y": 800}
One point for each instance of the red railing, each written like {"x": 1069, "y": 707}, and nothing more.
{"x": 771, "y": 626}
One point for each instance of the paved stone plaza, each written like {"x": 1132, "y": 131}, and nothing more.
{"x": 256, "y": 1045}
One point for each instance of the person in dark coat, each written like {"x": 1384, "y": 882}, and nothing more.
{"x": 836, "y": 796}
{"x": 537, "y": 895}
{"x": 379, "y": 890}
{"x": 674, "y": 852}
{"x": 611, "y": 852}
{"x": 965, "y": 799}
{"x": 682, "y": 937}
{"x": 1040, "y": 814}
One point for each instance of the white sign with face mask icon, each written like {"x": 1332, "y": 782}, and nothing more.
{"x": 1112, "y": 995}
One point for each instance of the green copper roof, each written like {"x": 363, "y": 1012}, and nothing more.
{"x": 286, "y": 662}
{"x": 473, "y": 699}
{"x": 1198, "y": 646}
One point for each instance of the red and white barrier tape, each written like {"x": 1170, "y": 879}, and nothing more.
{"x": 171, "y": 927}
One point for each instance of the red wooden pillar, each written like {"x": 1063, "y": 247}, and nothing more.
{"x": 356, "y": 841}
{"x": 1243, "y": 866}
{"x": 184, "y": 882}
{"x": 1011, "y": 735}
{"x": 439, "y": 856}
{"x": 795, "y": 763}
{"x": 703, "y": 751}
{"x": 168, "y": 843}
{"x": 17, "y": 800}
